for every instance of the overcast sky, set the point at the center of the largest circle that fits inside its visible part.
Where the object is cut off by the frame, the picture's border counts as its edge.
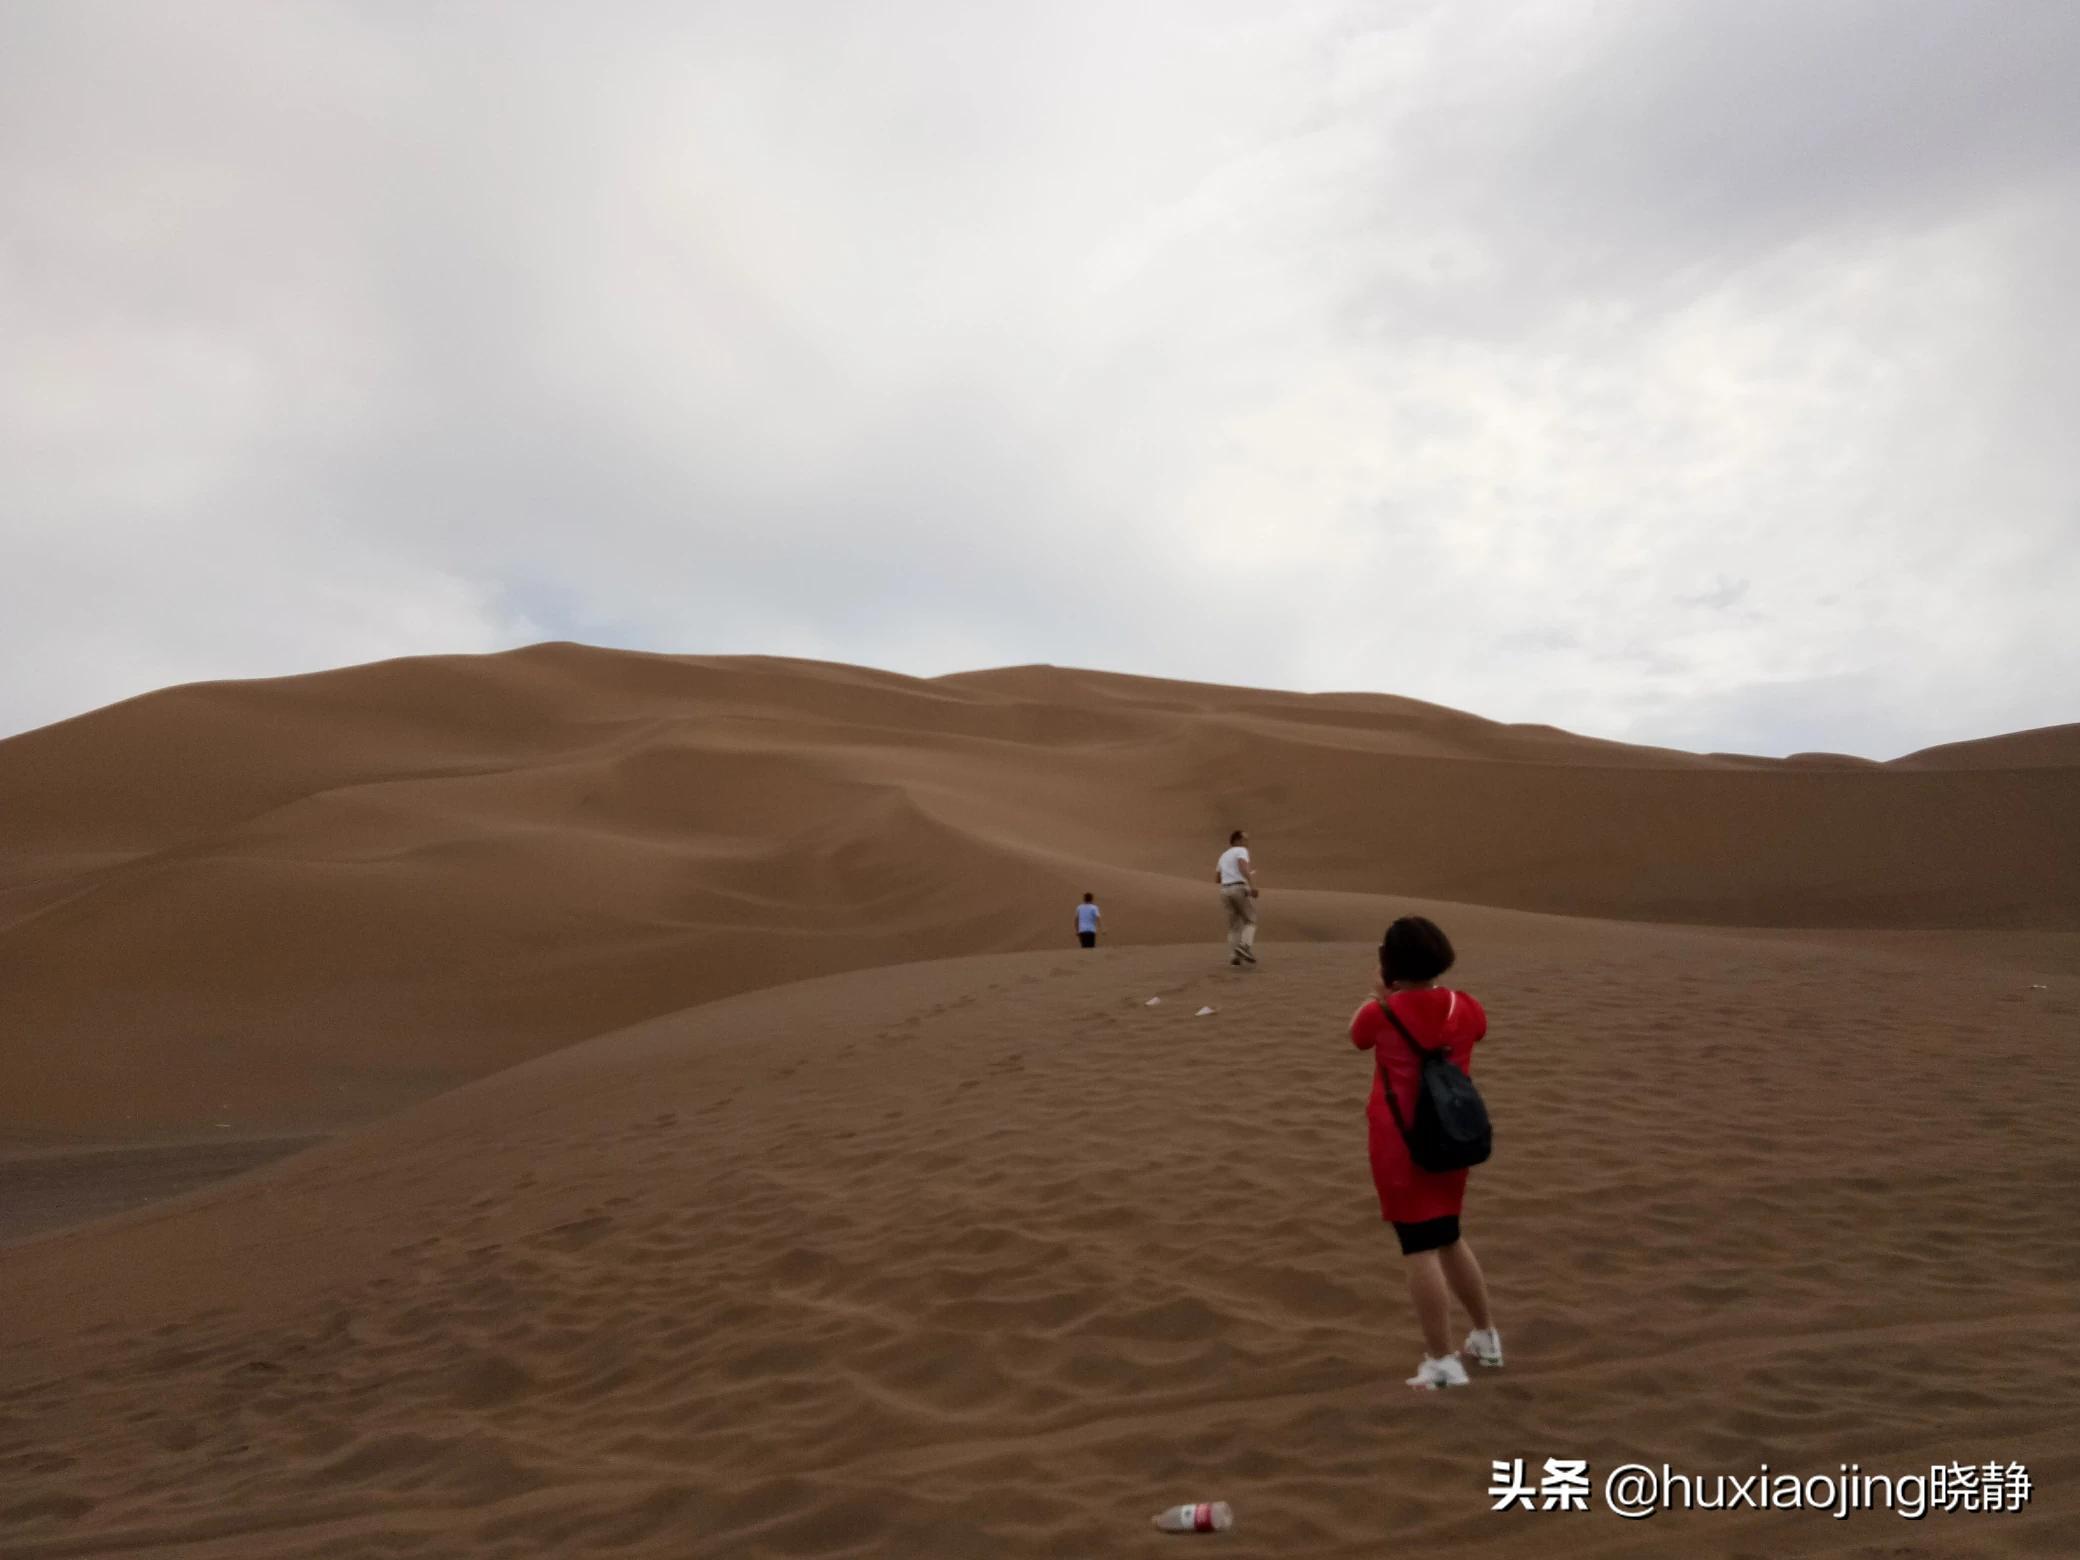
(1703, 372)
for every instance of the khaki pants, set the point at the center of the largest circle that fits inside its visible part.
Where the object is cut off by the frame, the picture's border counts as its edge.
(1242, 915)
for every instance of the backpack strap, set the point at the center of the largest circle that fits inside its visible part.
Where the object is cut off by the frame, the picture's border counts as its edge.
(1414, 1045)
(1386, 1084)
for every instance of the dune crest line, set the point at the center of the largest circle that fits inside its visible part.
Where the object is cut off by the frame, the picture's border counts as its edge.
(303, 902)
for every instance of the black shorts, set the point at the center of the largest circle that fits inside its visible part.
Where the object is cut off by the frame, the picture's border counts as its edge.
(1088, 939)
(1430, 1235)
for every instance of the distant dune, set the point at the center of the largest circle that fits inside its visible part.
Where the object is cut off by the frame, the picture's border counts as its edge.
(288, 904)
(2046, 747)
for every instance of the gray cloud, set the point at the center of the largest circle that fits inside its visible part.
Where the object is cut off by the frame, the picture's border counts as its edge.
(1687, 372)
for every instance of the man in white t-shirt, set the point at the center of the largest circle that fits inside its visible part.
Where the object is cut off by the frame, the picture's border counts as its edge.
(1238, 881)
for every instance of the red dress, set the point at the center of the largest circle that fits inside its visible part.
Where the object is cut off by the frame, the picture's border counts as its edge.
(1435, 1016)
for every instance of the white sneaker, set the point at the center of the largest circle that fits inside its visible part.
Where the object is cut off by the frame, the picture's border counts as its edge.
(1432, 1374)
(1484, 1346)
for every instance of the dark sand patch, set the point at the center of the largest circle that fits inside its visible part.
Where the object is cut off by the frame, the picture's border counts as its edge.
(53, 1189)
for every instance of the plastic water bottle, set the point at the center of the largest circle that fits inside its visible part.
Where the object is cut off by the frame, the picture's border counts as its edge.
(1215, 1516)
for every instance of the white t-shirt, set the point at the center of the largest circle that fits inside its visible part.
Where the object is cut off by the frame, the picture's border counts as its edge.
(1231, 864)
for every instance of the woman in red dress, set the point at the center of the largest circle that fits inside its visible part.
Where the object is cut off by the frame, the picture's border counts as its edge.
(1423, 1205)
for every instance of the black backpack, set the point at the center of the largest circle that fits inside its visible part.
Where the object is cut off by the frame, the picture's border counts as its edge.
(1451, 1129)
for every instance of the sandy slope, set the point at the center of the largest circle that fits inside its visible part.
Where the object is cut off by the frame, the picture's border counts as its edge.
(985, 1257)
(982, 1255)
(284, 906)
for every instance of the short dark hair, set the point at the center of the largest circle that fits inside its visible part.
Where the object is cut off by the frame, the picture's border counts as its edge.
(1087, 898)
(1235, 838)
(1415, 948)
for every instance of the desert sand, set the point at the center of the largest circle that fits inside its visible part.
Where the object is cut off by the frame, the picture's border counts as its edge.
(580, 1102)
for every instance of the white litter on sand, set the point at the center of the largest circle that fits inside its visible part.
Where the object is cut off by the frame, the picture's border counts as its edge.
(1152, 1002)
(1202, 1012)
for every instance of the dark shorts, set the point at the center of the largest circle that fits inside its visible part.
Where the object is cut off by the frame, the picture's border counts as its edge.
(1088, 939)
(1430, 1235)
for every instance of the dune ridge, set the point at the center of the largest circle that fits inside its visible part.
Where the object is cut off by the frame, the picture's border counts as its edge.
(291, 904)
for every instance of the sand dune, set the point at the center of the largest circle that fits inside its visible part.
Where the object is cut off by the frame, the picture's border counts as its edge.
(698, 1141)
(987, 1257)
(2047, 747)
(294, 904)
